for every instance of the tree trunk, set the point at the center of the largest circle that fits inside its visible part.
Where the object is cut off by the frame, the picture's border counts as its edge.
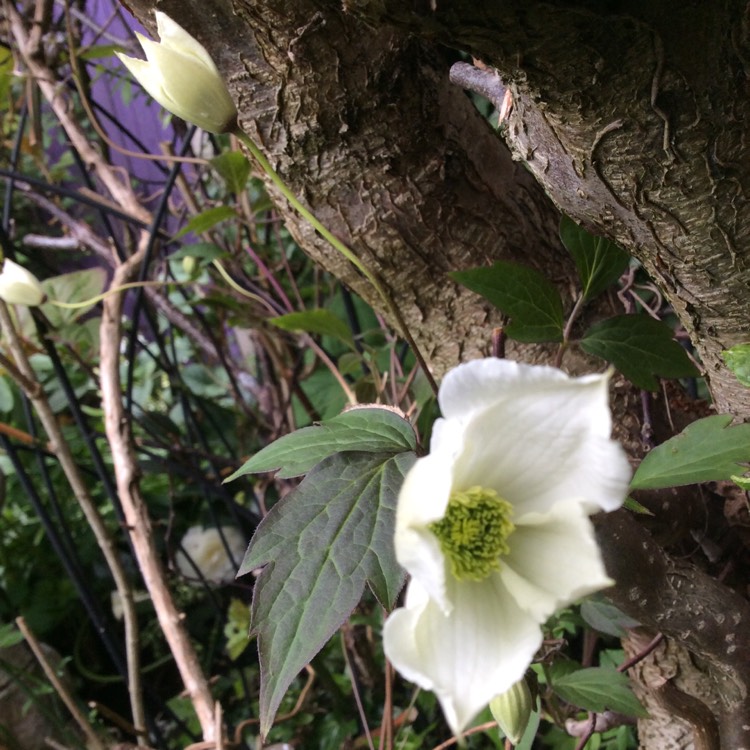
(632, 116)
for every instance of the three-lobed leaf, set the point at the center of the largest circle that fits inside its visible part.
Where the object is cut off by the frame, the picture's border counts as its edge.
(599, 262)
(366, 429)
(599, 689)
(707, 450)
(530, 301)
(321, 545)
(640, 348)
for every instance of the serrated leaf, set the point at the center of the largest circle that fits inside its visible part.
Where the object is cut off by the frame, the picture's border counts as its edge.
(233, 168)
(370, 430)
(640, 348)
(606, 618)
(599, 261)
(530, 301)
(206, 220)
(321, 544)
(321, 322)
(599, 689)
(738, 361)
(707, 450)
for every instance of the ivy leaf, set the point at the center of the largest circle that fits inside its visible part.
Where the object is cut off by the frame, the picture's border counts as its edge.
(320, 545)
(640, 348)
(322, 322)
(525, 296)
(599, 689)
(707, 450)
(233, 168)
(738, 361)
(367, 429)
(599, 261)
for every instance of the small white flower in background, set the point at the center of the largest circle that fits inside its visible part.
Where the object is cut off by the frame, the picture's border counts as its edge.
(20, 287)
(493, 526)
(208, 553)
(118, 609)
(180, 75)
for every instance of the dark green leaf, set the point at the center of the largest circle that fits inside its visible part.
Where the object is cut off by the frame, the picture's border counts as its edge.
(706, 451)
(640, 348)
(525, 296)
(234, 169)
(321, 321)
(606, 618)
(599, 261)
(368, 429)
(321, 544)
(738, 361)
(207, 219)
(599, 689)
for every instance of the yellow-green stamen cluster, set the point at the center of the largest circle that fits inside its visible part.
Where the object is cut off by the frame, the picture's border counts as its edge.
(473, 532)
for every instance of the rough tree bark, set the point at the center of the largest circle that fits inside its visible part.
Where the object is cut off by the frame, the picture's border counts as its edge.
(632, 115)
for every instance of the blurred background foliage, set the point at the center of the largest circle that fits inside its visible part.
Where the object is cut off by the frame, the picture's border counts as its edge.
(209, 377)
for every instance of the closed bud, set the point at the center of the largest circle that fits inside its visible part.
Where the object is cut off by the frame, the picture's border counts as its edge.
(512, 710)
(20, 287)
(179, 74)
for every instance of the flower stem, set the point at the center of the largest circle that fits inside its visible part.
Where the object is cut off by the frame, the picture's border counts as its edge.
(338, 245)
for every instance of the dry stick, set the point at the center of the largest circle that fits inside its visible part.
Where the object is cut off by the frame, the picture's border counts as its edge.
(93, 741)
(116, 426)
(59, 446)
(118, 435)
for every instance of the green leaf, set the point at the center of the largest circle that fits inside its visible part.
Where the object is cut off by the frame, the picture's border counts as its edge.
(367, 429)
(233, 168)
(738, 361)
(599, 261)
(599, 689)
(707, 450)
(640, 348)
(321, 544)
(204, 251)
(321, 321)
(236, 628)
(606, 618)
(525, 296)
(207, 219)
(76, 286)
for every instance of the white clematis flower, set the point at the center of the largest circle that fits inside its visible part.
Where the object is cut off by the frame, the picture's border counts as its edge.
(493, 526)
(19, 286)
(208, 552)
(180, 75)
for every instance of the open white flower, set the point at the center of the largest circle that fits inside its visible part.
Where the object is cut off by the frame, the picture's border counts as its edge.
(19, 286)
(210, 554)
(180, 74)
(493, 526)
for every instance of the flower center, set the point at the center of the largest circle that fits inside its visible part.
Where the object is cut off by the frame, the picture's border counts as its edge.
(473, 532)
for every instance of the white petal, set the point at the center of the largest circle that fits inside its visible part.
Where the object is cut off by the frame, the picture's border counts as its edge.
(422, 500)
(467, 657)
(173, 36)
(553, 561)
(545, 441)
(19, 286)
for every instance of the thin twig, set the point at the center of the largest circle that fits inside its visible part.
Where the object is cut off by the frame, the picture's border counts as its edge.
(93, 739)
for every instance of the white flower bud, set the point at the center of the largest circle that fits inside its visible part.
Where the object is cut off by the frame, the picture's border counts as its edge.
(208, 553)
(20, 287)
(512, 710)
(179, 74)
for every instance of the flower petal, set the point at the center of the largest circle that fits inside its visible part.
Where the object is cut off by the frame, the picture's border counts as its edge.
(423, 499)
(466, 657)
(546, 440)
(553, 560)
(173, 36)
